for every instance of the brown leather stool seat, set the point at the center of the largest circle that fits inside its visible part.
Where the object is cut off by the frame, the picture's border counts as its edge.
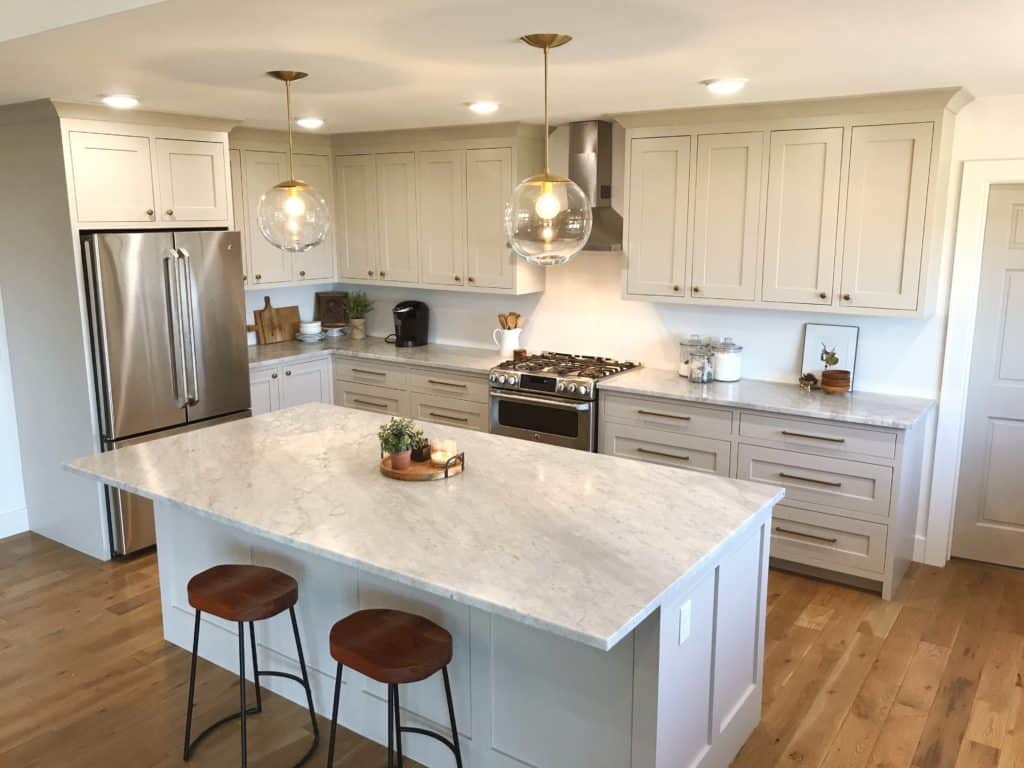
(242, 592)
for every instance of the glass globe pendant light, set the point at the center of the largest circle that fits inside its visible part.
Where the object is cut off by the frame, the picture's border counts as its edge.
(548, 219)
(293, 215)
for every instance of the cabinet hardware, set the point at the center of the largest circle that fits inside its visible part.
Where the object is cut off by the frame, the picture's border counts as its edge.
(829, 483)
(787, 433)
(382, 273)
(273, 375)
(823, 295)
(259, 276)
(664, 455)
(287, 373)
(169, 212)
(458, 279)
(446, 383)
(665, 415)
(302, 273)
(846, 297)
(471, 279)
(369, 272)
(696, 289)
(370, 403)
(368, 373)
(675, 288)
(446, 416)
(811, 536)
(150, 211)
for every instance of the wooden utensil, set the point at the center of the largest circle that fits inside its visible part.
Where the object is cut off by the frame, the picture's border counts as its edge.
(275, 324)
(503, 321)
(513, 320)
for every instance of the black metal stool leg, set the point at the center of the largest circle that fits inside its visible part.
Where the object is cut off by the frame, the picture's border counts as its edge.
(309, 690)
(255, 668)
(334, 717)
(241, 686)
(398, 727)
(191, 692)
(391, 726)
(451, 716)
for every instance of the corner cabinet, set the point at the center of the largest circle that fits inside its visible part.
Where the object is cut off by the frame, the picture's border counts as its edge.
(803, 208)
(283, 386)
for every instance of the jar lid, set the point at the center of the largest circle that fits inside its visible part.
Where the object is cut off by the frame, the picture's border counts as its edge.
(727, 345)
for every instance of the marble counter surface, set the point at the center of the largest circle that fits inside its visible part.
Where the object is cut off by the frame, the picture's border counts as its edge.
(578, 544)
(867, 408)
(465, 359)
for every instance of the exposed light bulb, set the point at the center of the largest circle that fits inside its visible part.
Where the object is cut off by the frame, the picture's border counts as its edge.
(292, 225)
(725, 86)
(547, 233)
(121, 101)
(294, 207)
(548, 205)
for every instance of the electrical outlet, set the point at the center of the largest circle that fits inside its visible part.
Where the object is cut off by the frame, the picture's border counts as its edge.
(685, 614)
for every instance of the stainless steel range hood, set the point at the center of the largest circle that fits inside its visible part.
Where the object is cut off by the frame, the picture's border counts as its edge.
(590, 166)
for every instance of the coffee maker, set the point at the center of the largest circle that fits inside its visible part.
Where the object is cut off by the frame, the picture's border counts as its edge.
(412, 321)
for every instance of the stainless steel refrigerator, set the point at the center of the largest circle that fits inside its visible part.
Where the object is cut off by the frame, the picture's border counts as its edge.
(167, 318)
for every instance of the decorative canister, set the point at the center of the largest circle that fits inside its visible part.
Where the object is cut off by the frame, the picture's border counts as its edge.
(702, 369)
(728, 360)
(686, 350)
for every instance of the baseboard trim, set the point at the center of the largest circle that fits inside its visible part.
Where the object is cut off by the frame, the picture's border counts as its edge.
(13, 521)
(920, 549)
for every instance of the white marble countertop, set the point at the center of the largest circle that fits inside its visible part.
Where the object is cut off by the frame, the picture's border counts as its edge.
(578, 544)
(867, 408)
(466, 359)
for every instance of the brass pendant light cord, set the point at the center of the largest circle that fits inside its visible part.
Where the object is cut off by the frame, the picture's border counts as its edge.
(547, 134)
(288, 102)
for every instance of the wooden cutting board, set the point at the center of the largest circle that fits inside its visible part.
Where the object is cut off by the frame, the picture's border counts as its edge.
(274, 324)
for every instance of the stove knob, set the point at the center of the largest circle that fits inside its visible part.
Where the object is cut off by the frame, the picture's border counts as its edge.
(583, 389)
(494, 377)
(501, 379)
(512, 380)
(560, 387)
(572, 388)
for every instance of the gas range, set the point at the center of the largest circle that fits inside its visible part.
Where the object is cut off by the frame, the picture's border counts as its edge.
(553, 373)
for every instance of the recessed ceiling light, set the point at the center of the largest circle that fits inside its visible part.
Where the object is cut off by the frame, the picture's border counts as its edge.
(725, 86)
(120, 101)
(483, 107)
(310, 123)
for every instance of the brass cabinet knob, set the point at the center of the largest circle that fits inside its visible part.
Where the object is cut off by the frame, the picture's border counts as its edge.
(846, 297)
(822, 295)
(458, 279)
(675, 288)
(696, 289)
(287, 373)
(169, 211)
(302, 273)
(273, 375)
(471, 280)
(150, 211)
(382, 273)
(259, 276)
(369, 272)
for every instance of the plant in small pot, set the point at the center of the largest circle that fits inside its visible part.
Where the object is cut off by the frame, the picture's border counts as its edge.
(398, 438)
(358, 306)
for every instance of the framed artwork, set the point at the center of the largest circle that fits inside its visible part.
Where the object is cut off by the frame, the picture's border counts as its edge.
(831, 346)
(330, 308)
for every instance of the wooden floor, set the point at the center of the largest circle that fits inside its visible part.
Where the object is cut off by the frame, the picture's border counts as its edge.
(932, 679)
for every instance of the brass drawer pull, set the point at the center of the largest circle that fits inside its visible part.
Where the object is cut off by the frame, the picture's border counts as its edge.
(664, 415)
(829, 483)
(787, 433)
(369, 403)
(368, 373)
(446, 383)
(664, 455)
(811, 536)
(450, 418)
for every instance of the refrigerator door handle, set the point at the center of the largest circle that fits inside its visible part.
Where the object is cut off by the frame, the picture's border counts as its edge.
(173, 289)
(193, 396)
(101, 357)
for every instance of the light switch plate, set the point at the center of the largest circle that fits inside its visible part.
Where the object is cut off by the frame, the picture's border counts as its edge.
(685, 614)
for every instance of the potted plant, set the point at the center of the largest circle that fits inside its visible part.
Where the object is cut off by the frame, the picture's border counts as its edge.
(398, 438)
(358, 306)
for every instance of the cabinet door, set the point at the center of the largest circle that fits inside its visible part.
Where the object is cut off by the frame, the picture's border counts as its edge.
(318, 262)
(265, 389)
(803, 210)
(441, 182)
(113, 178)
(238, 205)
(489, 260)
(396, 209)
(190, 177)
(355, 181)
(306, 383)
(659, 203)
(726, 216)
(885, 210)
(268, 264)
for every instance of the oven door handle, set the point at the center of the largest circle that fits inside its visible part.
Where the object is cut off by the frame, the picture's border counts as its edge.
(560, 405)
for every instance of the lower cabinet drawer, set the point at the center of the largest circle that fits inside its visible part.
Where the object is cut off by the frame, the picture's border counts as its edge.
(687, 451)
(449, 410)
(671, 415)
(360, 371)
(828, 541)
(457, 385)
(367, 398)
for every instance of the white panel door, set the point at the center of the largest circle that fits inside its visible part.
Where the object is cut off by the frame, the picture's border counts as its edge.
(990, 491)
(802, 215)
(268, 263)
(318, 262)
(265, 389)
(885, 210)
(396, 208)
(306, 383)
(113, 178)
(355, 180)
(441, 181)
(190, 177)
(726, 216)
(489, 260)
(659, 202)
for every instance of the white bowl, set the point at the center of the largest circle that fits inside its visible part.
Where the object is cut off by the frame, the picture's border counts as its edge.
(310, 327)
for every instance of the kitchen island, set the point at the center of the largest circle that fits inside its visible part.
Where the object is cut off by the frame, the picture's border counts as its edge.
(605, 613)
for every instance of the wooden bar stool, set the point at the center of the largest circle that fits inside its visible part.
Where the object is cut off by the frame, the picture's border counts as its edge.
(394, 648)
(245, 593)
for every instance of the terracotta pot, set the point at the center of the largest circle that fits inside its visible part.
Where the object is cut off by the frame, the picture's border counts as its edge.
(401, 460)
(358, 327)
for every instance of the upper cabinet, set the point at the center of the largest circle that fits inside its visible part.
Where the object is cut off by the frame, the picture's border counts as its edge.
(442, 216)
(318, 262)
(191, 179)
(266, 264)
(355, 193)
(397, 254)
(113, 178)
(834, 206)
(490, 263)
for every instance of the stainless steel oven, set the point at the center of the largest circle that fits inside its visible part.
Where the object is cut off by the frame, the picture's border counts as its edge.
(546, 419)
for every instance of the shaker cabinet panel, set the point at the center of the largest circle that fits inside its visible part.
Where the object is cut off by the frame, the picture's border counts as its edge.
(726, 216)
(802, 213)
(489, 260)
(192, 181)
(318, 262)
(887, 196)
(306, 383)
(441, 179)
(659, 194)
(265, 390)
(355, 179)
(398, 260)
(113, 177)
(268, 264)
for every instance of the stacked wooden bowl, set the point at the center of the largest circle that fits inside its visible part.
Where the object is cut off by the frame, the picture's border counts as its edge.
(835, 381)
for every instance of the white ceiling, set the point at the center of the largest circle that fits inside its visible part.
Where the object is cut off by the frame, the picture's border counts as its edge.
(411, 63)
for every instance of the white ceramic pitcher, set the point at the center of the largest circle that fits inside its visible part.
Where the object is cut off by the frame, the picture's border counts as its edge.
(507, 340)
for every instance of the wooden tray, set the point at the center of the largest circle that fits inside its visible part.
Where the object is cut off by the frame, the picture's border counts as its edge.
(424, 470)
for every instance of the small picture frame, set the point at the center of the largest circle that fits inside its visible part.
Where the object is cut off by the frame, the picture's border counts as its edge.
(330, 308)
(836, 343)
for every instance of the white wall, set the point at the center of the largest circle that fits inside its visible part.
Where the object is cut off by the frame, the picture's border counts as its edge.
(13, 517)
